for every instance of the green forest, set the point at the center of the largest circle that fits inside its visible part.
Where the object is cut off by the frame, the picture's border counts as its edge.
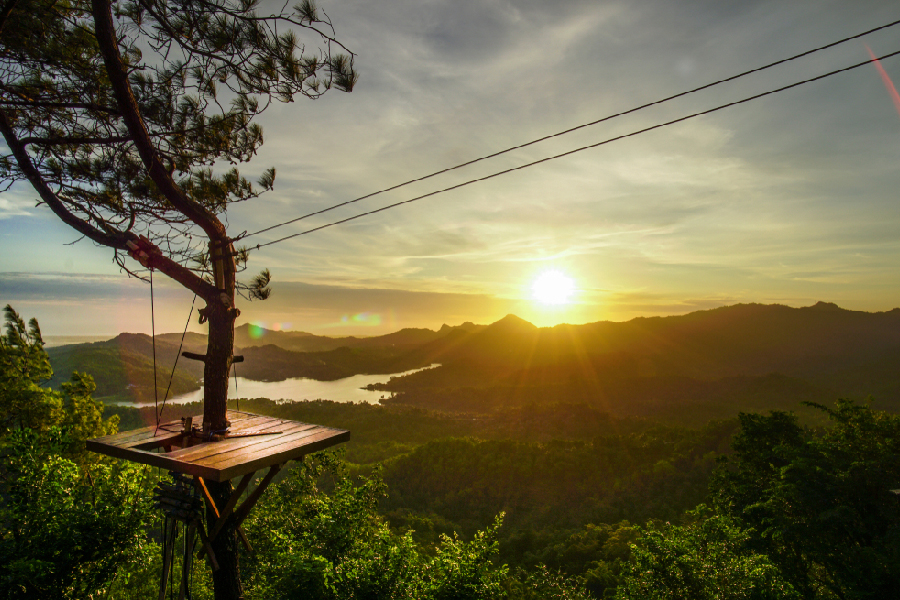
(539, 500)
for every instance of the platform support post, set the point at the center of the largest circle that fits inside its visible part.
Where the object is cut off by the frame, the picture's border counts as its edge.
(227, 579)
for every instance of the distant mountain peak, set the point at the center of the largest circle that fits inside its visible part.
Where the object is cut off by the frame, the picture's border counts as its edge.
(126, 337)
(820, 305)
(511, 318)
(468, 326)
(512, 323)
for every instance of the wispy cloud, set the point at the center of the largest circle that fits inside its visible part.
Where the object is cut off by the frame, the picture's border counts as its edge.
(790, 198)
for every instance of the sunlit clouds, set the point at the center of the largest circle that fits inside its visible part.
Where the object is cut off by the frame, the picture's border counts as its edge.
(789, 199)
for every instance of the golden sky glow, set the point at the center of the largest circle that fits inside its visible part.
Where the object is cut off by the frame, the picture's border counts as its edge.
(787, 199)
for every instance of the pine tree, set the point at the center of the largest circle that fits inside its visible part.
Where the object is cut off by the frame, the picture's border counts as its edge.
(128, 119)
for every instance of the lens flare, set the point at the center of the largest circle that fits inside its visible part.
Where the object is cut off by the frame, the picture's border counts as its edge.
(363, 318)
(892, 90)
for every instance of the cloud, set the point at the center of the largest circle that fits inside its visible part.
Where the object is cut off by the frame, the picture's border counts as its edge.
(77, 304)
(14, 204)
(789, 197)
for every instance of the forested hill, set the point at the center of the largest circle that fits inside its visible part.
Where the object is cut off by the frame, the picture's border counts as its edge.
(706, 364)
(248, 336)
(745, 339)
(607, 501)
(123, 366)
(761, 352)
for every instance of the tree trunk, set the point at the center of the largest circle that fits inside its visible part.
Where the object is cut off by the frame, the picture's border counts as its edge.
(219, 354)
(227, 579)
(221, 315)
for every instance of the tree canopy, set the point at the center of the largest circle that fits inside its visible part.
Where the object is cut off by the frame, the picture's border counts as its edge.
(130, 119)
(821, 502)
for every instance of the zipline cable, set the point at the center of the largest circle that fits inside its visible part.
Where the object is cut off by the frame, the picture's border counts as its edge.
(578, 127)
(576, 150)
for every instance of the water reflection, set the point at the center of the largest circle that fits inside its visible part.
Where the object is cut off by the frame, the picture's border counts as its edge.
(348, 389)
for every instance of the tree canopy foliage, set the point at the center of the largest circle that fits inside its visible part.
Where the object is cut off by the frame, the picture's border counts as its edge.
(335, 546)
(122, 117)
(25, 404)
(821, 502)
(128, 120)
(710, 559)
(24, 367)
(797, 513)
(69, 521)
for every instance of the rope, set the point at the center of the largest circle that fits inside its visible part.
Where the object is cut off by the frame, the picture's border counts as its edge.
(191, 582)
(153, 331)
(237, 401)
(186, 553)
(172, 561)
(172, 376)
(165, 541)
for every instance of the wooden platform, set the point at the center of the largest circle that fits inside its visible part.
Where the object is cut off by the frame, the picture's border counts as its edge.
(268, 441)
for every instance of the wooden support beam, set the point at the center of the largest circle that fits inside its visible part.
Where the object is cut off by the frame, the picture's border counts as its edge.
(194, 356)
(208, 496)
(244, 540)
(241, 513)
(222, 517)
(207, 547)
(202, 357)
(232, 501)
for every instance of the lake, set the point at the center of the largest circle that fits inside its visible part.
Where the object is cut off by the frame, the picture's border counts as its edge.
(300, 388)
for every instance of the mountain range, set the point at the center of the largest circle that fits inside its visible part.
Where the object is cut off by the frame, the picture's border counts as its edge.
(706, 363)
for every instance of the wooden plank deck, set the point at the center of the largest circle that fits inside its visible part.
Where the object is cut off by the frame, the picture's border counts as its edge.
(280, 442)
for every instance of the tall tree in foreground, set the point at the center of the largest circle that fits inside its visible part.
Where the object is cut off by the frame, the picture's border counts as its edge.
(68, 521)
(128, 119)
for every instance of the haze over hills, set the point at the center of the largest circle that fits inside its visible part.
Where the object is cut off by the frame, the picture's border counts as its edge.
(711, 362)
(248, 336)
(123, 366)
(747, 339)
(707, 364)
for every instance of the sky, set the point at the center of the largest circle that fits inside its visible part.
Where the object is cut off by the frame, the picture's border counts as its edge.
(788, 199)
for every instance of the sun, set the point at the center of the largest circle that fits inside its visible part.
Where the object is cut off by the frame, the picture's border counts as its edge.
(553, 287)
